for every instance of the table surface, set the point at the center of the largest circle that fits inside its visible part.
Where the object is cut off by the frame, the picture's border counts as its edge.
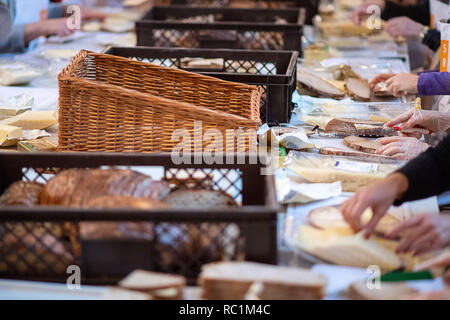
(45, 92)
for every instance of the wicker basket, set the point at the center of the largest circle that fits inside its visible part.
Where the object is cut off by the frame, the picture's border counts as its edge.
(110, 103)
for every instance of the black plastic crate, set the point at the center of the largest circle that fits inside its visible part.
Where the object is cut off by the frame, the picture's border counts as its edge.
(274, 71)
(33, 245)
(311, 6)
(249, 29)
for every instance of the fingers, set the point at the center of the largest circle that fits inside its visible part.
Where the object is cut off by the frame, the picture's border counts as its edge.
(352, 210)
(370, 228)
(356, 17)
(411, 234)
(441, 260)
(400, 119)
(381, 78)
(412, 222)
(387, 140)
(391, 149)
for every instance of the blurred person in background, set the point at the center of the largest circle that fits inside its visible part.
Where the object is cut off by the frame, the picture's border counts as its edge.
(36, 18)
(416, 10)
(409, 19)
(415, 20)
(5, 22)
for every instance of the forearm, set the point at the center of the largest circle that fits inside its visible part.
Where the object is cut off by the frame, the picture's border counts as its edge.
(434, 83)
(33, 31)
(428, 174)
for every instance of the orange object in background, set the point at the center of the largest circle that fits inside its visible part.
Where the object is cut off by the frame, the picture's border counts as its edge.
(444, 56)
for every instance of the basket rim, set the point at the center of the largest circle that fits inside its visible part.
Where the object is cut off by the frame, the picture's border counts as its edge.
(185, 106)
(154, 66)
(290, 69)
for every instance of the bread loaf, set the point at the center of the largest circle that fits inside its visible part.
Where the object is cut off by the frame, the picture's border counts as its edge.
(77, 188)
(22, 193)
(203, 242)
(232, 281)
(356, 154)
(362, 144)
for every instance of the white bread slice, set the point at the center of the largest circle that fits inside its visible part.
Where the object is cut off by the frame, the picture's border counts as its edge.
(342, 247)
(359, 290)
(159, 285)
(232, 280)
(331, 217)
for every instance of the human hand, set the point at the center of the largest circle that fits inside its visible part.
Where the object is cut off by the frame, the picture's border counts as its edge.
(403, 27)
(427, 119)
(87, 14)
(58, 27)
(359, 14)
(422, 233)
(439, 262)
(433, 295)
(402, 83)
(401, 148)
(382, 77)
(379, 196)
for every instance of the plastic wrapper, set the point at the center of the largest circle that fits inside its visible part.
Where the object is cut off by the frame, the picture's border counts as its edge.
(318, 111)
(366, 68)
(353, 174)
(289, 191)
(16, 73)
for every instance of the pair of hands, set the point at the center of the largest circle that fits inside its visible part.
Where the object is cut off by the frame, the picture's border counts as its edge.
(60, 27)
(406, 146)
(399, 84)
(418, 234)
(395, 27)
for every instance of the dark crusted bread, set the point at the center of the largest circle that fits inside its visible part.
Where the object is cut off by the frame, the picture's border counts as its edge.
(22, 193)
(123, 202)
(76, 188)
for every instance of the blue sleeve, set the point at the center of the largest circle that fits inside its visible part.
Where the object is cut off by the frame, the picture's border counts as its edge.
(15, 42)
(434, 83)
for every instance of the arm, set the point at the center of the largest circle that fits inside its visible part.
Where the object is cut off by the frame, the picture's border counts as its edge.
(434, 83)
(428, 174)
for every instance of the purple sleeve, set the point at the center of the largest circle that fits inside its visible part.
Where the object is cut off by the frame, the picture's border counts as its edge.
(434, 83)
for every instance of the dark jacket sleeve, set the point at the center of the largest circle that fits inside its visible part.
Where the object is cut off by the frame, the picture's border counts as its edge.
(428, 174)
(419, 12)
(432, 39)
